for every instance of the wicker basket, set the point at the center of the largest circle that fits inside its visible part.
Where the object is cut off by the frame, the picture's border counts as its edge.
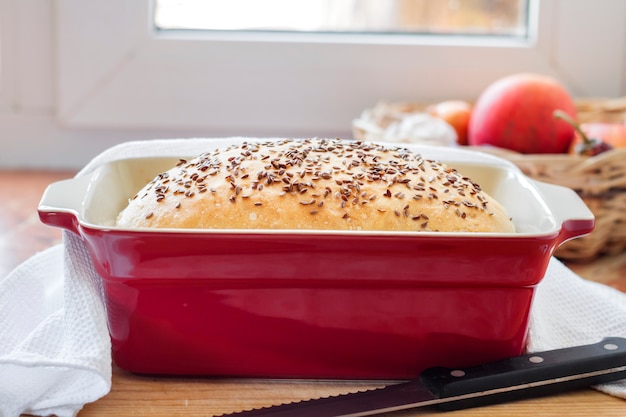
(599, 180)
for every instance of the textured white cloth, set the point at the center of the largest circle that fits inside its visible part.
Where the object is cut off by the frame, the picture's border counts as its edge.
(569, 310)
(54, 343)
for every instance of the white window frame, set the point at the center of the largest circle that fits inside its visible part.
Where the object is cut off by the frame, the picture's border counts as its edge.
(7, 49)
(113, 71)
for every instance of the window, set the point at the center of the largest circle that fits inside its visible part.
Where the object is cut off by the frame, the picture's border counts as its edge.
(453, 17)
(252, 83)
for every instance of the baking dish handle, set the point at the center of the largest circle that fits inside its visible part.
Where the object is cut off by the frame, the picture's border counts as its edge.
(62, 203)
(569, 210)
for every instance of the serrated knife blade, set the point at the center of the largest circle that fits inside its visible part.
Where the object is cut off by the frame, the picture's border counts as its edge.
(520, 377)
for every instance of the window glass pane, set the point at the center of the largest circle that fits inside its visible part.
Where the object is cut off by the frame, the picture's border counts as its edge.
(453, 17)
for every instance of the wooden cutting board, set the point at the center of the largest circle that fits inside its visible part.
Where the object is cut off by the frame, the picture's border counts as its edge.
(135, 395)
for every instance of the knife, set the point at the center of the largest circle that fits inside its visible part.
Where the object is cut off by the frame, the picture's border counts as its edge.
(525, 376)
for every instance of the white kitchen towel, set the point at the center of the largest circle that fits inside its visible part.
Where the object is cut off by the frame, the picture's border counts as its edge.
(54, 343)
(55, 352)
(569, 310)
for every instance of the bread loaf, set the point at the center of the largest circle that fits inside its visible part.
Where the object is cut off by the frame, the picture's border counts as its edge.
(315, 184)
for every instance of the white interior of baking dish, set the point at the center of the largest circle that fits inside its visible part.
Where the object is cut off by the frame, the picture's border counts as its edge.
(111, 185)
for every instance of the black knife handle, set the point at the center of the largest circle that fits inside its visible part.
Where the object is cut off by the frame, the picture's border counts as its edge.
(524, 376)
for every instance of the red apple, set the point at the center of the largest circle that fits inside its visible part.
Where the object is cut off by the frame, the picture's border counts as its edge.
(516, 112)
(594, 144)
(613, 134)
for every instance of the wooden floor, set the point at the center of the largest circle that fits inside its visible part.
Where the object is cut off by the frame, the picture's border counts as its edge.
(21, 232)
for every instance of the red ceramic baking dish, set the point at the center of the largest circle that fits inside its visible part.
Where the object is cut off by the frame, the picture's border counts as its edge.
(321, 304)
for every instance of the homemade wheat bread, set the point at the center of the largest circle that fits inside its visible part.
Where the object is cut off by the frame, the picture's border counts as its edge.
(315, 184)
